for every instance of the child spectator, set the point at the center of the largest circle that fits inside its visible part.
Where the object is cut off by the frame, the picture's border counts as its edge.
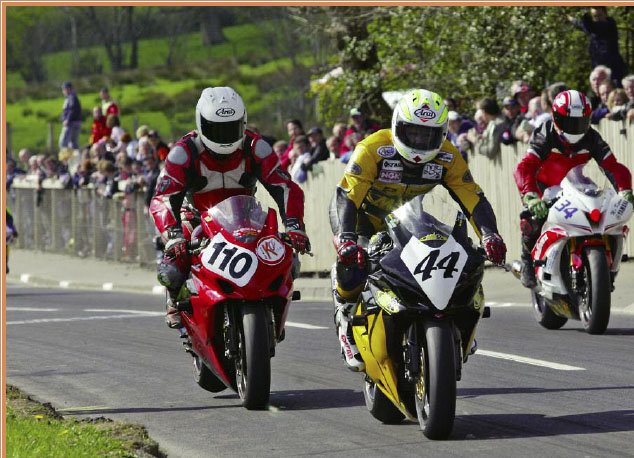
(279, 147)
(627, 110)
(294, 129)
(99, 129)
(298, 158)
(339, 131)
(160, 147)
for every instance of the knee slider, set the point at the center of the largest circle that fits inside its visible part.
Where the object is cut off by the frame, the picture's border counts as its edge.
(170, 276)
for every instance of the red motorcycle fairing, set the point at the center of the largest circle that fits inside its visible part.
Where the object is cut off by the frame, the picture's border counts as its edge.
(268, 281)
(577, 260)
(545, 241)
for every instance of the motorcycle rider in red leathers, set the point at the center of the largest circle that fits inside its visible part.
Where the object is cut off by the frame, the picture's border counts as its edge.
(556, 147)
(218, 160)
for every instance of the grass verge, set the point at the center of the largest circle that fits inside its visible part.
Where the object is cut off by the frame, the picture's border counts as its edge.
(37, 430)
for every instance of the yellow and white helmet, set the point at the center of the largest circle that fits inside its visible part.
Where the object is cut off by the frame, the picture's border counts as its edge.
(419, 125)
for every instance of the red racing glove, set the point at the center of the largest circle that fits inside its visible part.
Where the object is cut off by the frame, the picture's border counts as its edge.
(176, 246)
(495, 248)
(348, 251)
(299, 239)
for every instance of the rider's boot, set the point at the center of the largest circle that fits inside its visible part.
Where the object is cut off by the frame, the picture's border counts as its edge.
(527, 274)
(343, 316)
(172, 315)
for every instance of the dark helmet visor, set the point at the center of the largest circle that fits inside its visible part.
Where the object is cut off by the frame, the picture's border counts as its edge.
(423, 138)
(222, 133)
(572, 125)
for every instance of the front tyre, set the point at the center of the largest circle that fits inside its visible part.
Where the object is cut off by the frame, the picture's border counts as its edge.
(380, 406)
(544, 314)
(436, 387)
(594, 309)
(253, 365)
(205, 378)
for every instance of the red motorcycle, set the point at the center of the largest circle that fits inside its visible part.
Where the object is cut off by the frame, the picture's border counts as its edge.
(239, 292)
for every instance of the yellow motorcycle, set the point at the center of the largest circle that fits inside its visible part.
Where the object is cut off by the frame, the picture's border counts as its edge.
(415, 321)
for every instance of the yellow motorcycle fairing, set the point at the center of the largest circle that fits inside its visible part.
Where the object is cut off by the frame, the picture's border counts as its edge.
(371, 341)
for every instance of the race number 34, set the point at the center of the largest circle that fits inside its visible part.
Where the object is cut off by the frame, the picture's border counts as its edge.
(230, 261)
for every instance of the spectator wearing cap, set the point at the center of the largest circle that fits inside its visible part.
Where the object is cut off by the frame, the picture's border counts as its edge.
(361, 124)
(512, 118)
(491, 138)
(604, 39)
(318, 148)
(457, 129)
(108, 106)
(294, 129)
(160, 147)
(523, 93)
(71, 118)
(602, 108)
(12, 172)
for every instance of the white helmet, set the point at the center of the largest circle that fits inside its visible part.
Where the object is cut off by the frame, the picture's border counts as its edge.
(221, 119)
(419, 125)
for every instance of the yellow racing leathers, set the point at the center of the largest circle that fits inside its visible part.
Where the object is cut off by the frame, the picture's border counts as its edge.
(377, 181)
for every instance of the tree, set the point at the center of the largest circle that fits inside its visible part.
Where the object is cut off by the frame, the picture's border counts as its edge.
(464, 52)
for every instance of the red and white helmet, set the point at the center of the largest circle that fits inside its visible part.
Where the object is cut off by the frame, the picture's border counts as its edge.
(571, 116)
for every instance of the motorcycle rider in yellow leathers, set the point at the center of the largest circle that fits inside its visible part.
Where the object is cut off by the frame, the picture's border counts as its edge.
(387, 169)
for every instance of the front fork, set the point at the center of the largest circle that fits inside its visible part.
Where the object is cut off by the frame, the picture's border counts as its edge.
(576, 261)
(232, 319)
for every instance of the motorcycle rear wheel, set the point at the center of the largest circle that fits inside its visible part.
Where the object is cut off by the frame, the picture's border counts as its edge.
(253, 365)
(544, 314)
(379, 405)
(594, 309)
(206, 379)
(436, 388)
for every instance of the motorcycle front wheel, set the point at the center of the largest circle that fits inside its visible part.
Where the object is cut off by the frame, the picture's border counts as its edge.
(379, 405)
(253, 365)
(544, 314)
(436, 387)
(594, 309)
(206, 379)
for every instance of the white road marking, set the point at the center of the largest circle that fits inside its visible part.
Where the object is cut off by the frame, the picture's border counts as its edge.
(525, 360)
(24, 278)
(80, 318)
(135, 312)
(107, 286)
(30, 309)
(158, 289)
(64, 284)
(303, 325)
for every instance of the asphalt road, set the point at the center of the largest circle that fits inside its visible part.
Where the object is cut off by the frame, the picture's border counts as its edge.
(109, 354)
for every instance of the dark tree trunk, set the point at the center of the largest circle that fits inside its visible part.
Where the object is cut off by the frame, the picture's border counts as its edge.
(210, 27)
(133, 34)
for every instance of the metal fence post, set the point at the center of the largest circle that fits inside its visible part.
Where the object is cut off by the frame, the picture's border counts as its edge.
(55, 226)
(9, 139)
(50, 138)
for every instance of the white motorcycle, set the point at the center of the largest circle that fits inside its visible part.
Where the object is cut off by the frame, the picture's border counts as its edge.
(578, 254)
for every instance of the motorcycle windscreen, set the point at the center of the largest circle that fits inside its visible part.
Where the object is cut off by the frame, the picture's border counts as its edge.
(587, 179)
(430, 235)
(242, 216)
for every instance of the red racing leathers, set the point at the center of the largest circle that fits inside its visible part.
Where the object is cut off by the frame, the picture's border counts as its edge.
(548, 160)
(189, 168)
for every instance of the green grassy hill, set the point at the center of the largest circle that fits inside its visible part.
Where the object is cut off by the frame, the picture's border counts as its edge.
(164, 98)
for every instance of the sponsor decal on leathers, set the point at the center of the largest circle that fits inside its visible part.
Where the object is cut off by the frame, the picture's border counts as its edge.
(386, 151)
(444, 156)
(392, 165)
(354, 168)
(432, 171)
(390, 176)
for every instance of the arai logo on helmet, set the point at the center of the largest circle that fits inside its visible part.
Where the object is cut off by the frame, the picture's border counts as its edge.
(225, 112)
(425, 113)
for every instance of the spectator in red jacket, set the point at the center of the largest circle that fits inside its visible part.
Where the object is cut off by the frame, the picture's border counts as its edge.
(99, 129)
(294, 129)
